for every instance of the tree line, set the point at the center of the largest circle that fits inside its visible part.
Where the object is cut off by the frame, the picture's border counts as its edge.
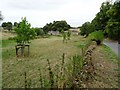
(106, 20)
(25, 32)
(55, 26)
(1, 17)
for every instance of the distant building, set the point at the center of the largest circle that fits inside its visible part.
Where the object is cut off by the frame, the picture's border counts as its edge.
(54, 33)
(75, 31)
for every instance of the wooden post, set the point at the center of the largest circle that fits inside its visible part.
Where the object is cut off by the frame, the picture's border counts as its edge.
(22, 50)
(16, 50)
(82, 53)
(28, 50)
(22, 47)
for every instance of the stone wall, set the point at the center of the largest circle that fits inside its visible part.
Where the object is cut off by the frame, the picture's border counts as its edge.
(88, 70)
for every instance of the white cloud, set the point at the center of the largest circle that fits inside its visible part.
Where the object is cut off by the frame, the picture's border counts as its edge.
(40, 12)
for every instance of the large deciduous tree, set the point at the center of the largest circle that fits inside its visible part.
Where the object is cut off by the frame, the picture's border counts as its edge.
(86, 28)
(1, 17)
(107, 20)
(101, 19)
(47, 28)
(38, 31)
(15, 24)
(113, 25)
(7, 25)
(56, 26)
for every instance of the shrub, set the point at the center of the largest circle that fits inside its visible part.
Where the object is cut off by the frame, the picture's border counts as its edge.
(97, 36)
(11, 38)
(39, 31)
(69, 34)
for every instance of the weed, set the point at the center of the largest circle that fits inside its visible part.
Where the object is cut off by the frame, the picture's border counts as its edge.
(51, 75)
(40, 78)
(25, 80)
(57, 75)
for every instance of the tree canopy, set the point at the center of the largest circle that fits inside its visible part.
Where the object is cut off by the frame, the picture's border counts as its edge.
(24, 32)
(1, 17)
(56, 26)
(113, 24)
(86, 28)
(38, 31)
(107, 20)
(7, 25)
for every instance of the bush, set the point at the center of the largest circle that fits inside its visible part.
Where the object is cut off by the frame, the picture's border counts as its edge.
(97, 36)
(11, 38)
(39, 31)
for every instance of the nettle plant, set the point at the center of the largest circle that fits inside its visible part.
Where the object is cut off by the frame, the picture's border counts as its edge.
(24, 32)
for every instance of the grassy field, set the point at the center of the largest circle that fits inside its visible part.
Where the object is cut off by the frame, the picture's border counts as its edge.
(52, 48)
(41, 49)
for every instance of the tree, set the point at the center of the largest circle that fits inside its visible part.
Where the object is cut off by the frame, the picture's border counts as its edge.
(56, 26)
(47, 27)
(1, 17)
(7, 25)
(86, 28)
(24, 32)
(107, 20)
(4, 24)
(16, 24)
(39, 31)
(60, 25)
(113, 25)
(101, 19)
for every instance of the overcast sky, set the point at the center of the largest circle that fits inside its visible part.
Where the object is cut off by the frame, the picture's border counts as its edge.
(40, 12)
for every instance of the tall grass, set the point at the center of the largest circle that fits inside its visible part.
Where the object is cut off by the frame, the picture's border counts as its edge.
(40, 78)
(51, 75)
(60, 77)
(25, 80)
